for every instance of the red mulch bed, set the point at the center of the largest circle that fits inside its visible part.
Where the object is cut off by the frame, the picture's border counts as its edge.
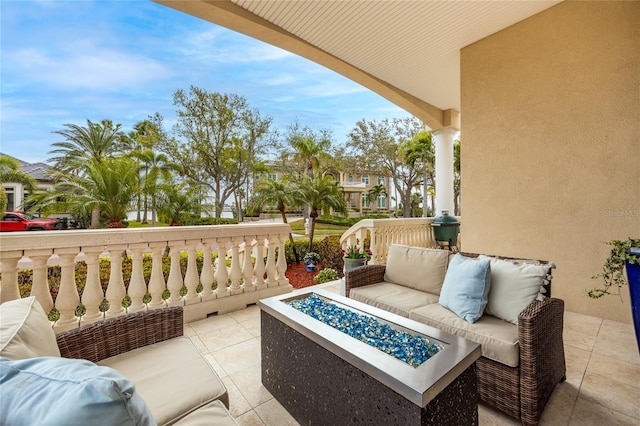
(298, 275)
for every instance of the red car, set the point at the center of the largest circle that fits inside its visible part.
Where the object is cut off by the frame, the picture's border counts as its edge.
(16, 221)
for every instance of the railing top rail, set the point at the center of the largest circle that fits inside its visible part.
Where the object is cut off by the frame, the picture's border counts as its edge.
(94, 237)
(380, 223)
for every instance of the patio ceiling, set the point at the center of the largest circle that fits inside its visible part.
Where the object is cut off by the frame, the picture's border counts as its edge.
(407, 51)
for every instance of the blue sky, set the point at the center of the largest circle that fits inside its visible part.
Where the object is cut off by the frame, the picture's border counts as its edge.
(69, 61)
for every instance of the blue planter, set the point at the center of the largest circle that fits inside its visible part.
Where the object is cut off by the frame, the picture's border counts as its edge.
(633, 276)
(311, 266)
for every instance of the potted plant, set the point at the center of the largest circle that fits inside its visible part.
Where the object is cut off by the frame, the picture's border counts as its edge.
(311, 259)
(624, 255)
(355, 256)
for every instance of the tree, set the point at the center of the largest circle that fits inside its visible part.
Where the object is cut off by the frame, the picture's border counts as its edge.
(107, 186)
(176, 200)
(10, 172)
(83, 146)
(420, 152)
(155, 166)
(383, 145)
(310, 150)
(375, 193)
(282, 194)
(456, 177)
(320, 194)
(95, 143)
(147, 135)
(224, 140)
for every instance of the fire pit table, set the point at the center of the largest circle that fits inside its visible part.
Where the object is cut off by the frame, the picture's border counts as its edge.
(322, 372)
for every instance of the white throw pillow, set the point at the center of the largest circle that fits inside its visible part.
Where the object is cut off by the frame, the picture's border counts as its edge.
(25, 330)
(513, 287)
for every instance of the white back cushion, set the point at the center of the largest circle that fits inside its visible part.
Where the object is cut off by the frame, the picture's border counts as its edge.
(416, 267)
(25, 330)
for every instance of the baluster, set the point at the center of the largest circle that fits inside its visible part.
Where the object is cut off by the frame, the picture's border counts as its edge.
(40, 280)
(175, 282)
(259, 265)
(282, 264)
(92, 295)
(156, 281)
(236, 273)
(116, 290)
(272, 279)
(222, 274)
(67, 299)
(247, 267)
(206, 276)
(191, 279)
(137, 286)
(9, 282)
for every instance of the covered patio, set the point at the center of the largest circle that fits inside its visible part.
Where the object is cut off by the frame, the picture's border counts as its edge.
(546, 96)
(602, 385)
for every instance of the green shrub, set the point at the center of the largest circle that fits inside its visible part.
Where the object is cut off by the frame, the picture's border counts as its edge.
(192, 220)
(302, 247)
(331, 254)
(348, 221)
(326, 275)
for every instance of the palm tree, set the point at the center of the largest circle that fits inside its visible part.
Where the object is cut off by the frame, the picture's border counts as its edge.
(281, 193)
(10, 172)
(108, 187)
(375, 193)
(321, 194)
(456, 177)
(176, 200)
(95, 143)
(155, 166)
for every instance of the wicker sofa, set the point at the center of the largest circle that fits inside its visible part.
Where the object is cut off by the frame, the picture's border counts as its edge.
(148, 349)
(521, 363)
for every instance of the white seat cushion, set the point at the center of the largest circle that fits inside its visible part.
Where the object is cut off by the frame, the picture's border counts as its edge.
(499, 339)
(171, 376)
(214, 413)
(392, 297)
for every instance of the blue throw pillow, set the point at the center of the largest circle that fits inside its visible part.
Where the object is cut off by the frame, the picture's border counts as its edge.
(466, 287)
(61, 391)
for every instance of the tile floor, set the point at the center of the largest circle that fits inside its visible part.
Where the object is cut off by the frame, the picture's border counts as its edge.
(602, 386)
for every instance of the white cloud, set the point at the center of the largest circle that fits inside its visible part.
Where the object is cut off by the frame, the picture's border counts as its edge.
(88, 67)
(220, 46)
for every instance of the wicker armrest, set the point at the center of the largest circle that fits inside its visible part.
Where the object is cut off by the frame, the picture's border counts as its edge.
(364, 275)
(542, 362)
(121, 334)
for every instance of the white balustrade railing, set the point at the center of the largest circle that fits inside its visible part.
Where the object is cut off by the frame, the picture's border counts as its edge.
(242, 283)
(384, 232)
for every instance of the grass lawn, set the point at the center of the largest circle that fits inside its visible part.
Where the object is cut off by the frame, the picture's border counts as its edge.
(297, 226)
(134, 224)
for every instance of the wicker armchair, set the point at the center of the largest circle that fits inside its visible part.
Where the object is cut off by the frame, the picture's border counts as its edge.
(118, 335)
(521, 392)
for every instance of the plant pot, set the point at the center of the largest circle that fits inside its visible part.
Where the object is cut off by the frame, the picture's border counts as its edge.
(633, 276)
(311, 266)
(353, 263)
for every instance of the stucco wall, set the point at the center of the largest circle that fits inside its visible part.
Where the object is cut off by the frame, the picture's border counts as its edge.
(551, 143)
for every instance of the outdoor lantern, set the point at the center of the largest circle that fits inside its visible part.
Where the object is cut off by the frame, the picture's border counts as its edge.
(445, 229)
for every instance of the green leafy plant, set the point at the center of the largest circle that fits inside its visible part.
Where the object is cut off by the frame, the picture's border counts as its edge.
(612, 274)
(326, 275)
(312, 256)
(356, 252)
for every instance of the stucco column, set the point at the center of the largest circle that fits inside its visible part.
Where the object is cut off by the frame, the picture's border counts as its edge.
(443, 140)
